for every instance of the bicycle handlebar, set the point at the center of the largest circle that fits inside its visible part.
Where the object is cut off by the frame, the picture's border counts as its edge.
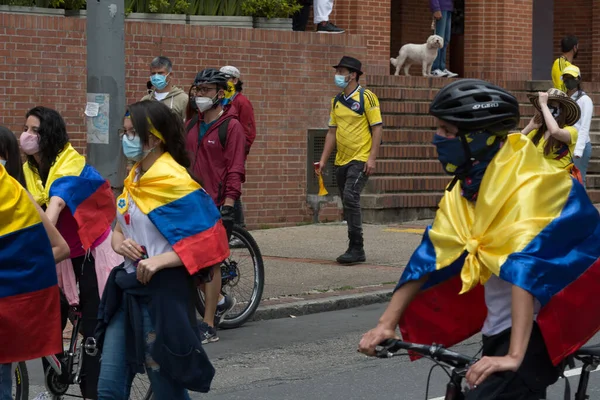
(389, 347)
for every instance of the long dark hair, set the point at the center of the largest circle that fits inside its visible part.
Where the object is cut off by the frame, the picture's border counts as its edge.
(552, 143)
(53, 139)
(166, 122)
(190, 111)
(9, 150)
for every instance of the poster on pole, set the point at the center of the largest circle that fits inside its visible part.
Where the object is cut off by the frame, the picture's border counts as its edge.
(96, 112)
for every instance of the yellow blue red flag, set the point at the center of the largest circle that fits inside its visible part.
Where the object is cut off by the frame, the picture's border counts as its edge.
(29, 296)
(532, 226)
(181, 211)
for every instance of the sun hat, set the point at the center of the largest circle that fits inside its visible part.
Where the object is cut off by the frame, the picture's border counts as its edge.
(572, 70)
(568, 105)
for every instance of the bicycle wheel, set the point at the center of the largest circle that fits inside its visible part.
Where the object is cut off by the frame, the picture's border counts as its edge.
(243, 277)
(20, 390)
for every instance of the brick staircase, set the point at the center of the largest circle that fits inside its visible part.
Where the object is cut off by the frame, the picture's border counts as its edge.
(409, 181)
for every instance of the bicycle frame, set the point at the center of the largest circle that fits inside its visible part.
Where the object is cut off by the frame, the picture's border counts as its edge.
(590, 363)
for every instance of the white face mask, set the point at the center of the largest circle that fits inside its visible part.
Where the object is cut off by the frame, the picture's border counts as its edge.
(3, 163)
(205, 103)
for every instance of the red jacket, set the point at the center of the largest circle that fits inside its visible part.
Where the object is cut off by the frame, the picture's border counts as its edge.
(221, 170)
(246, 116)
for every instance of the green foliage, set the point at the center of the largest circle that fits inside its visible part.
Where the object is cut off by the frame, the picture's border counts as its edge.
(231, 8)
(157, 6)
(270, 8)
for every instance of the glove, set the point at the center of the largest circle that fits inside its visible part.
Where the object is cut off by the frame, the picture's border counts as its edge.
(227, 216)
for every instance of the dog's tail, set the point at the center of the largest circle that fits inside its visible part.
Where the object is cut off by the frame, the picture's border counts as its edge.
(394, 61)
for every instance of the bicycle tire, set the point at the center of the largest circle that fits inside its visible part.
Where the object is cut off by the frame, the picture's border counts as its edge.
(259, 282)
(21, 382)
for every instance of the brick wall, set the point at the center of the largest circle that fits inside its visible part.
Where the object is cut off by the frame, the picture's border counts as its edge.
(575, 17)
(498, 39)
(595, 45)
(288, 78)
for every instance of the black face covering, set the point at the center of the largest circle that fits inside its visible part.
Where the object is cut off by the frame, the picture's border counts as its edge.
(571, 84)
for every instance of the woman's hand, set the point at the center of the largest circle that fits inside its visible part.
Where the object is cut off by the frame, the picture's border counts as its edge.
(489, 365)
(130, 249)
(148, 267)
(543, 98)
(374, 337)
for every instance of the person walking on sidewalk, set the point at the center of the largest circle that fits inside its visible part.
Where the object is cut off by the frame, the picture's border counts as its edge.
(442, 13)
(583, 148)
(355, 129)
(321, 10)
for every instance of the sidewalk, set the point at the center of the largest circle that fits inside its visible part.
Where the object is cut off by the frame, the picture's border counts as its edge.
(302, 276)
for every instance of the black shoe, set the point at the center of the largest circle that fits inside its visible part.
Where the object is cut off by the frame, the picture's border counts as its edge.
(355, 252)
(224, 308)
(328, 27)
(208, 334)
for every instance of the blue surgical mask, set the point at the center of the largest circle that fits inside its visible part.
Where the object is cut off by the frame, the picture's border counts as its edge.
(159, 81)
(3, 163)
(133, 149)
(340, 81)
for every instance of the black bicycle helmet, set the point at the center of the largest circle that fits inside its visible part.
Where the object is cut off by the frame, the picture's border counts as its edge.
(473, 104)
(211, 75)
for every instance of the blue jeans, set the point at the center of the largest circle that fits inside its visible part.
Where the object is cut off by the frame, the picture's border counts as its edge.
(6, 382)
(116, 375)
(583, 161)
(443, 28)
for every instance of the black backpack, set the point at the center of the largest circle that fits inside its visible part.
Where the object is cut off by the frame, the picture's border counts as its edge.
(222, 129)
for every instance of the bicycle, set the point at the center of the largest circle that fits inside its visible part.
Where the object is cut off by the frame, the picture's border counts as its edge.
(63, 371)
(233, 282)
(459, 365)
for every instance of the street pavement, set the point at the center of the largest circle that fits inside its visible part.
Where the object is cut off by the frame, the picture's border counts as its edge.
(314, 357)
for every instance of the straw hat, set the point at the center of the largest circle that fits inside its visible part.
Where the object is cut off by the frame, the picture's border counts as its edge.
(568, 105)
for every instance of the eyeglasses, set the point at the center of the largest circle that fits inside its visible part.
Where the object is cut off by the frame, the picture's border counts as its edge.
(129, 134)
(201, 90)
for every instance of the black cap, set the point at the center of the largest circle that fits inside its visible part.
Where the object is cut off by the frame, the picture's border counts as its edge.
(350, 63)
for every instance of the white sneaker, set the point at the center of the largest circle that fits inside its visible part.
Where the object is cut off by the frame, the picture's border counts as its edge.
(439, 73)
(450, 74)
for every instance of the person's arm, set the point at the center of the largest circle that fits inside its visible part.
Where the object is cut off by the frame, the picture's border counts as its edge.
(587, 109)
(522, 325)
(125, 247)
(372, 161)
(235, 154)
(373, 114)
(329, 138)
(60, 248)
(534, 123)
(386, 328)
(246, 116)
(555, 131)
(434, 6)
(54, 208)
(148, 267)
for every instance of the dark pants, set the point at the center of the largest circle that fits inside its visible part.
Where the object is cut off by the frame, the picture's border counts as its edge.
(300, 19)
(351, 181)
(85, 273)
(238, 213)
(531, 379)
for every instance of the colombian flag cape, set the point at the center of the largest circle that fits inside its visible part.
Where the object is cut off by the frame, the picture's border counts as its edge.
(532, 226)
(29, 297)
(181, 211)
(87, 194)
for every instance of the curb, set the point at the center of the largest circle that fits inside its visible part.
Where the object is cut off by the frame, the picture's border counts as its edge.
(332, 303)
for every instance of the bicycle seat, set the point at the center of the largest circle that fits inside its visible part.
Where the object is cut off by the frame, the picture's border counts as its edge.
(593, 350)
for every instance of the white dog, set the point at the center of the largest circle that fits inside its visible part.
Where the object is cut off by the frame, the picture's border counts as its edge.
(423, 54)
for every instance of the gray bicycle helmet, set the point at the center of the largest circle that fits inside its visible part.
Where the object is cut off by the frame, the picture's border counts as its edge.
(473, 105)
(211, 75)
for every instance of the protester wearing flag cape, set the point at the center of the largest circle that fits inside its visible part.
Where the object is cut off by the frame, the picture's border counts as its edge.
(29, 301)
(168, 229)
(513, 252)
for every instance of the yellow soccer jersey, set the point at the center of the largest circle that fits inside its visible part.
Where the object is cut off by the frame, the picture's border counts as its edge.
(557, 70)
(353, 122)
(560, 157)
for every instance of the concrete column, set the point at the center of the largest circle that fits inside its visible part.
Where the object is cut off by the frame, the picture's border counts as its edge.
(105, 76)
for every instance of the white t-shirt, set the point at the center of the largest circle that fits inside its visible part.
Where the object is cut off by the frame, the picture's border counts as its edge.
(498, 299)
(143, 232)
(160, 96)
(583, 125)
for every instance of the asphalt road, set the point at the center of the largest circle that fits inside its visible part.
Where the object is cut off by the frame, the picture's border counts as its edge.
(314, 357)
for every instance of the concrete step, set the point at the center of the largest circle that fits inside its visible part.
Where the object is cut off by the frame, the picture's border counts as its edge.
(408, 167)
(594, 195)
(399, 200)
(404, 184)
(407, 151)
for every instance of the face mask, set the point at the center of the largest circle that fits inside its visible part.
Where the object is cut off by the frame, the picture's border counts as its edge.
(159, 81)
(571, 84)
(133, 149)
(340, 81)
(555, 111)
(206, 103)
(450, 153)
(30, 143)
(3, 163)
